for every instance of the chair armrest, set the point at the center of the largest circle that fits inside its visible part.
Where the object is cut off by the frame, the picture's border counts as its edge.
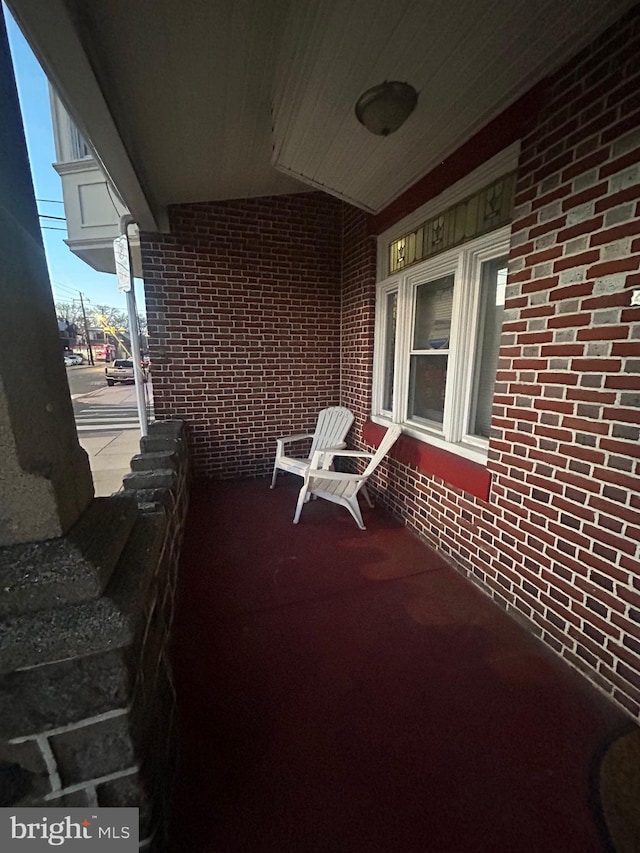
(335, 452)
(287, 439)
(318, 464)
(296, 437)
(324, 474)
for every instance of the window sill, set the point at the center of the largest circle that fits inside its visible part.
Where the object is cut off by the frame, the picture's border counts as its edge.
(459, 466)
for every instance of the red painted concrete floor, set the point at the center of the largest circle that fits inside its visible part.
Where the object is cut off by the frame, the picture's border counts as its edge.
(343, 691)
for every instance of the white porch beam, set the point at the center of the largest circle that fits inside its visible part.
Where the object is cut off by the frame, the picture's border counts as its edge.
(54, 38)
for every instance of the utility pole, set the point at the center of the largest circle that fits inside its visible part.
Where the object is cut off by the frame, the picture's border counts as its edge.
(86, 331)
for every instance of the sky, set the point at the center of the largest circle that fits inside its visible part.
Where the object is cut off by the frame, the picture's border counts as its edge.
(69, 275)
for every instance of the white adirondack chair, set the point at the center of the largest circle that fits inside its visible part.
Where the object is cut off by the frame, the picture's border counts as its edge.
(341, 488)
(332, 426)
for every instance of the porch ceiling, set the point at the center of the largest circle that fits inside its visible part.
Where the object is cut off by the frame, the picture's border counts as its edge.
(194, 100)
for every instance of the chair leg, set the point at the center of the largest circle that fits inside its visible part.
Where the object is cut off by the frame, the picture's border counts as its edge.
(354, 508)
(365, 495)
(275, 474)
(302, 498)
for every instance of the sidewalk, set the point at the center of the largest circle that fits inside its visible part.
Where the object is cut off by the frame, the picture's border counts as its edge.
(110, 450)
(110, 453)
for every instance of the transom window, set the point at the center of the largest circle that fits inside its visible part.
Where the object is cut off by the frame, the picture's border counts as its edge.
(438, 330)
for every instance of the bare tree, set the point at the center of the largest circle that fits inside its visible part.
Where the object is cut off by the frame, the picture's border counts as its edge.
(113, 321)
(70, 312)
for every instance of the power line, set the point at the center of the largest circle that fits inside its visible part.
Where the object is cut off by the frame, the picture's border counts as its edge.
(50, 200)
(51, 228)
(63, 287)
(75, 294)
(46, 216)
(65, 297)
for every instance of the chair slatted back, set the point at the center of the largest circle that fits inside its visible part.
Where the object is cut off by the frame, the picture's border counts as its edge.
(389, 439)
(333, 425)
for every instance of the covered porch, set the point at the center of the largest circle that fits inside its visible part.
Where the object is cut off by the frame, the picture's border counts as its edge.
(342, 691)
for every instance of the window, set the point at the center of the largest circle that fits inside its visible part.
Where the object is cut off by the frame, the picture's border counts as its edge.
(79, 148)
(438, 328)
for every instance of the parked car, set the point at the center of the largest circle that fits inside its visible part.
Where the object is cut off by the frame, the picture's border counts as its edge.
(71, 358)
(121, 370)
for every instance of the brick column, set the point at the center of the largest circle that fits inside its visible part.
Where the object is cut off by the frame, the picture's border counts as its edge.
(45, 480)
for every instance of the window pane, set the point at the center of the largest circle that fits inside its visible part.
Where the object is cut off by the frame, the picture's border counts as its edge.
(434, 301)
(427, 380)
(389, 350)
(493, 283)
(79, 148)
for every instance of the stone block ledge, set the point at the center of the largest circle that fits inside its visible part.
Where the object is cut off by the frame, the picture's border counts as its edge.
(163, 478)
(71, 569)
(161, 460)
(78, 629)
(101, 624)
(87, 703)
(61, 693)
(164, 436)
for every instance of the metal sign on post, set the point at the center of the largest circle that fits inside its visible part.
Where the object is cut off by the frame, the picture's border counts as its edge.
(123, 265)
(125, 285)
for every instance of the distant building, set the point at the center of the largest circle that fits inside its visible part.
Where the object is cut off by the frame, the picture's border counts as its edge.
(68, 334)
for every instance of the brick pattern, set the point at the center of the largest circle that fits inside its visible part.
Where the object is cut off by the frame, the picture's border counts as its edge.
(358, 316)
(565, 453)
(243, 306)
(557, 545)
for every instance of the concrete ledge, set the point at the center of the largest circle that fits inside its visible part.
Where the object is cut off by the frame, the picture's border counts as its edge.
(150, 500)
(86, 691)
(71, 569)
(162, 460)
(75, 630)
(132, 586)
(101, 624)
(163, 436)
(150, 479)
(62, 693)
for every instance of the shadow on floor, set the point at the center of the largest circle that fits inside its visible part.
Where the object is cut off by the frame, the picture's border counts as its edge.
(343, 691)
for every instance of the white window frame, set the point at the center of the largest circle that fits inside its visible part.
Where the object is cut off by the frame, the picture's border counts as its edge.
(465, 262)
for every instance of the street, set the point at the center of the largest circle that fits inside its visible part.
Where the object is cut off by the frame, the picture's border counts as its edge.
(98, 407)
(107, 423)
(84, 378)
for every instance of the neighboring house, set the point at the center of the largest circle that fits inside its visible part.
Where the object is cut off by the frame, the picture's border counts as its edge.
(101, 343)
(472, 276)
(68, 334)
(93, 208)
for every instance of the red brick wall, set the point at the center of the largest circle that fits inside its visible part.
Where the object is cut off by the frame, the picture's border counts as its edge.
(247, 302)
(557, 543)
(243, 306)
(567, 410)
(358, 315)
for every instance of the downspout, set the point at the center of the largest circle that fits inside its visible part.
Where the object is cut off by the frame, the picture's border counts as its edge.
(132, 313)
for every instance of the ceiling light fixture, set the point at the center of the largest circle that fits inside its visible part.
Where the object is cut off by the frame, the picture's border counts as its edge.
(384, 108)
